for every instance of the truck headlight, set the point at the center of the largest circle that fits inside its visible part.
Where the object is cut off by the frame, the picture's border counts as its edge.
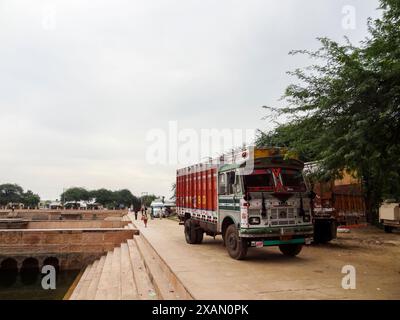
(254, 220)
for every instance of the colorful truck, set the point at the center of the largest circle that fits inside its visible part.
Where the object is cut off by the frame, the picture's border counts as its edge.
(253, 197)
(338, 201)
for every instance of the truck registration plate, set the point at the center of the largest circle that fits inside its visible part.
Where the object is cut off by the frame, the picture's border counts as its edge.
(286, 232)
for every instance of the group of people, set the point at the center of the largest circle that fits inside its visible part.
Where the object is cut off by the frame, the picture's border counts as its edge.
(144, 214)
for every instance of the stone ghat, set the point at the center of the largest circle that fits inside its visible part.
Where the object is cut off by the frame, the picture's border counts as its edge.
(74, 248)
(131, 271)
(63, 214)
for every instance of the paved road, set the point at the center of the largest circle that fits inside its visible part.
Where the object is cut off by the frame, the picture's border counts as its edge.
(209, 273)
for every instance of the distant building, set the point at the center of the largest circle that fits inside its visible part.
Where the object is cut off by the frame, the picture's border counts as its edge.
(55, 205)
(83, 205)
(15, 205)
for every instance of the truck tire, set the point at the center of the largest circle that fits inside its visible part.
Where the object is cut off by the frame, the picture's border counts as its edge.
(324, 231)
(199, 235)
(236, 246)
(388, 229)
(291, 250)
(190, 232)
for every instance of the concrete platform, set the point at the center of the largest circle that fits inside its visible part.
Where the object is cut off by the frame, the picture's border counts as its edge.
(208, 272)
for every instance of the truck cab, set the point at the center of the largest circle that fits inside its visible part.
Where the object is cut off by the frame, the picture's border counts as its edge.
(268, 207)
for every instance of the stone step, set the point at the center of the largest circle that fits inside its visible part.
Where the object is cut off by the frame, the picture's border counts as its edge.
(130, 226)
(91, 292)
(75, 293)
(162, 285)
(128, 286)
(85, 282)
(105, 281)
(114, 292)
(144, 286)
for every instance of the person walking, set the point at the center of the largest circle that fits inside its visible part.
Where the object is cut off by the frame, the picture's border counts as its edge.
(136, 214)
(151, 212)
(144, 218)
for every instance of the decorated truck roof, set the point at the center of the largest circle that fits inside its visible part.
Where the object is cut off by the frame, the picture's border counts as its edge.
(248, 158)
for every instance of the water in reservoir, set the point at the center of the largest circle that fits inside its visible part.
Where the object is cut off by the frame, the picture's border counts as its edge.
(16, 286)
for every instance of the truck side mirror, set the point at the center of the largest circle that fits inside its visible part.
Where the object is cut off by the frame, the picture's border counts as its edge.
(312, 195)
(247, 197)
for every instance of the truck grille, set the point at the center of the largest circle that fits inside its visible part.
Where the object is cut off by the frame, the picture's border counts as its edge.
(282, 213)
(278, 216)
(282, 216)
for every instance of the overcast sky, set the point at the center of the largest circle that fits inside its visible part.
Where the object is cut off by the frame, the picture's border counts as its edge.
(84, 82)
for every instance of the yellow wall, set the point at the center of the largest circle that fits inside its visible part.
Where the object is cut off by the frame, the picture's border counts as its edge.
(347, 179)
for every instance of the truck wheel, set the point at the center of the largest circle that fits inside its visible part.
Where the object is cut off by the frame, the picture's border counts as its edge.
(291, 250)
(388, 229)
(199, 236)
(190, 232)
(237, 247)
(320, 238)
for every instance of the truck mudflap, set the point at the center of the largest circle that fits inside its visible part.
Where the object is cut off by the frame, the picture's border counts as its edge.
(270, 243)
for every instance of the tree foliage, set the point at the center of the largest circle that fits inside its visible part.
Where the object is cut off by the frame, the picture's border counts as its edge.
(109, 199)
(75, 194)
(30, 200)
(103, 196)
(125, 198)
(13, 193)
(148, 199)
(344, 110)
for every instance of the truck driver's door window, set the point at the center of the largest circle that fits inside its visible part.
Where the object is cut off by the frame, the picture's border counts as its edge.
(230, 182)
(222, 184)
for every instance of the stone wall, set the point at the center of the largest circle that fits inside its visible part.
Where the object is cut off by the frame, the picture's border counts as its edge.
(62, 214)
(73, 248)
(76, 224)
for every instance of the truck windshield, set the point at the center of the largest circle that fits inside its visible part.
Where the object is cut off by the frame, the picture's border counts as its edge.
(259, 180)
(292, 178)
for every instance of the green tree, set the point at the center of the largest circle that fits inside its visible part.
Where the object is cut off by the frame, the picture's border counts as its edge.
(30, 200)
(146, 200)
(103, 196)
(345, 109)
(10, 193)
(75, 194)
(294, 134)
(125, 198)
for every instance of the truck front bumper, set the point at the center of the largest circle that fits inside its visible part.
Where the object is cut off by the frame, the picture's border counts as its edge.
(269, 243)
(278, 232)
